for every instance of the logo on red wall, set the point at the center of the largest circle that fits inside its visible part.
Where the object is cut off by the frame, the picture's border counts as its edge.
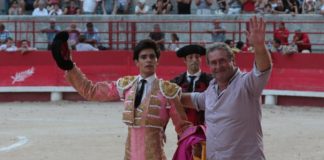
(21, 76)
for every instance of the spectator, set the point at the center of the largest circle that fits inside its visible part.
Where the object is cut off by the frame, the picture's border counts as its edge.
(72, 8)
(234, 7)
(51, 32)
(277, 47)
(248, 6)
(89, 6)
(9, 46)
(15, 9)
(292, 6)
(74, 34)
(174, 45)
(41, 9)
(121, 7)
(282, 33)
(203, 7)
(321, 7)
(260, 5)
(108, 6)
(24, 47)
(218, 32)
(158, 7)
(302, 41)
(141, 7)
(56, 11)
(4, 34)
(268, 9)
(91, 34)
(184, 6)
(158, 36)
(309, 7)
(83, 46)
(29, 6)
(21, 4)
(279, 8)
(221, 6)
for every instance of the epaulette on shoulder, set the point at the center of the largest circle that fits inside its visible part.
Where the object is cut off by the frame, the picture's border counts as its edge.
(125, 82)
(169, 90)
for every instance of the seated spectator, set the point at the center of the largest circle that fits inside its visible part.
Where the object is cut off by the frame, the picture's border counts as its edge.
(321, 7)
(141, 7)
(218, 32)
(83, 46)
(248, 6)
(221, 6)
(234, 7)
(184, 6)
(24, 47)
(9, 46)
(277, 47)
(15, 9)
(158, 7)
(89, 6)
(302, 41)
(41, 9)
(174, 45)
(51, 32)
(282, 33)
(72, 8)
(29, 6)
(56, 11)
(121, 7)
(21, 4)
(293, 6)
(108, 6)
(308, 7)
(4, 34)
(279, 8)
(203, 7)
(158, 36)
(74, 34)
(259, 6)
(268, 9)
(91, 34)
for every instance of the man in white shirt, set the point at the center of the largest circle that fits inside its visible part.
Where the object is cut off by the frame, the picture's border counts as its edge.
(9, 46)
(89, 6)
(40, 10)
(83, 46)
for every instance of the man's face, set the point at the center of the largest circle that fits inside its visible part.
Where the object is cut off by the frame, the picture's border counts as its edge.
(221, 67)
(147, 62)
(24, 44)
(9, 43)
(193, 62)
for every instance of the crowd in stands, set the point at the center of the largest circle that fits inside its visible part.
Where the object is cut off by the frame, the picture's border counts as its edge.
(203, 7)
(89, 39)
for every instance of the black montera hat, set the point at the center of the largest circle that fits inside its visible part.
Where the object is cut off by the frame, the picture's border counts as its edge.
(191, 49)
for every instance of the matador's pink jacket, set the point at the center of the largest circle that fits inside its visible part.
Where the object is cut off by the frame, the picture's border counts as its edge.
(146, 123)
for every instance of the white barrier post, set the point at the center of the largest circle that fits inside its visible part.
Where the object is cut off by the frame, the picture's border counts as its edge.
(270, 99)
(56, 96)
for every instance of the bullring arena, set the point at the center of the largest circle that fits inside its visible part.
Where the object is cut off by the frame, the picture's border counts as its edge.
(43, 118)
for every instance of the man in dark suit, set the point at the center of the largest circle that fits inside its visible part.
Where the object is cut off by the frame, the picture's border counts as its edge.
(193, 80)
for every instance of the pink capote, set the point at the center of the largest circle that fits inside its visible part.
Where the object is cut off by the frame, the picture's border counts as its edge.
(191, 136)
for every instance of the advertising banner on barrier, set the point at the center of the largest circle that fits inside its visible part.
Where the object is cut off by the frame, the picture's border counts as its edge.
(300, 72)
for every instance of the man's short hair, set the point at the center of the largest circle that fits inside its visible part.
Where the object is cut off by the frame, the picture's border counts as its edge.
(220, 46)
(146, 44)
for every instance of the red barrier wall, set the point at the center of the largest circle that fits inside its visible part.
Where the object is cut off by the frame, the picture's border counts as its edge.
(300, 72)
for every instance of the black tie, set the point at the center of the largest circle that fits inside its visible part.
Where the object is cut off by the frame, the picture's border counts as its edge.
(139, 94)
(192, 79)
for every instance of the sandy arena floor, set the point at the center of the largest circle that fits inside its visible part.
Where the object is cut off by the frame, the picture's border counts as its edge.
(94, 131)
